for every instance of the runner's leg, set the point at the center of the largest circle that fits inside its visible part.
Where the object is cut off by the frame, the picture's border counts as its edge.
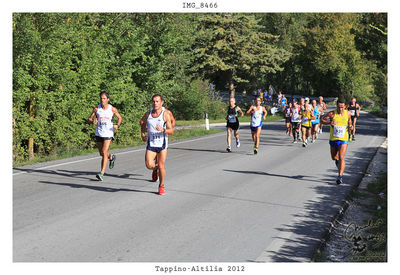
(258, 136)
(236, 133)
(334, 153)
(354, 126)
(342, 152)
(254, 137)
(105, 154)
(100, 147)
(303, 133)
(161, 157)
(308, 134)
(149, 159)
(228, 136)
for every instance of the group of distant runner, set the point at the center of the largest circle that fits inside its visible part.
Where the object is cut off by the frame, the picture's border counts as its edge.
(304, 121)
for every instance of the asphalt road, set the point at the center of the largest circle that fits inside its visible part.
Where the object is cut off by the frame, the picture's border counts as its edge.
(218, 207)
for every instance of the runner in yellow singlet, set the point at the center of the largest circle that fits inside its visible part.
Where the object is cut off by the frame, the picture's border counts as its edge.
(307, 115)
(339, 135)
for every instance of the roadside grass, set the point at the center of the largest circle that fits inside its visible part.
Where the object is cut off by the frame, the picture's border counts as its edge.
(375, 236)
(374, 110)
(371, 237)
(74, 152)
(376, 249)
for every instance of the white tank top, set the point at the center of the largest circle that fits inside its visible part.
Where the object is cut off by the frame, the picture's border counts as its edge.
(104, 127)
(295, 115)
(256, 118)
(155, 137)
(322, 107)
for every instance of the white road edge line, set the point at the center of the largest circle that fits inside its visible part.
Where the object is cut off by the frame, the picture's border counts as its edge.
(132, 151)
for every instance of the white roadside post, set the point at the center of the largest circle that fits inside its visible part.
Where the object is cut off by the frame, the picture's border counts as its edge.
(207, 123)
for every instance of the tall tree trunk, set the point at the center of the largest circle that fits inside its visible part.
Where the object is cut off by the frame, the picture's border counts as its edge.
(231, 85)
(31, 117)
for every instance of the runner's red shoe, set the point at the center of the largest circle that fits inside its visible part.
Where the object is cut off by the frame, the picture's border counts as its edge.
(161, 190)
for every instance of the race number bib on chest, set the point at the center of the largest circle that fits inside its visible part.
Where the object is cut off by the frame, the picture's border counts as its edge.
(304, 120)
(338, 131)
(352, 112)
(156, 139)
(232, 118)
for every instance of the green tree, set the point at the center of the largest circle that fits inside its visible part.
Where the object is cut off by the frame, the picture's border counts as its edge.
(330, 56)
(371, 41)
(233, 48)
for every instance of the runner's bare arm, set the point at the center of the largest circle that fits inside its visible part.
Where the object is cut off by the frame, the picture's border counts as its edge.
(168, 123)
(350, 125)
(168, 120)
(250, 110)
(327, 119)
(240, 111)
(90, 119)
(265, 113)
(143, 126)
(173, 122)
(115, 112)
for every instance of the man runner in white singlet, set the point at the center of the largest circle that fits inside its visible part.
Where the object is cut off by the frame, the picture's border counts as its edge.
(258, 114)
(104, 113)
(158, 125)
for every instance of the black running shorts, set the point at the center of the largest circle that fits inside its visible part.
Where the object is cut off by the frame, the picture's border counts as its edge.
(295, 125)
(233, 126)
(102, 139)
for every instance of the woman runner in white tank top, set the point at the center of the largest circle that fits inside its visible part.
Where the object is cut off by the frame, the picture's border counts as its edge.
(105, 129)
(104, 126)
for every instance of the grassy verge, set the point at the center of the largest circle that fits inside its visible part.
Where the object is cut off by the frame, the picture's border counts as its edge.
(368, 240)
(375, 110)
(373, 235)
(74, 152)
(377, 232)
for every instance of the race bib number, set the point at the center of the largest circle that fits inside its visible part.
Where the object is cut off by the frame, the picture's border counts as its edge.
(102, 123)
(256, 119)
(352, 112)
(304, 120)
(232, 118)
(156, 139)
(338, 131)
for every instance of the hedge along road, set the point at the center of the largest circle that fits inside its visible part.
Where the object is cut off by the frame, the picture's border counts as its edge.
(218, 207)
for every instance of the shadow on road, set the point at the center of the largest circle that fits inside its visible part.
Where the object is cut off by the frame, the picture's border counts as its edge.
(91, 176)
(98, 188)
(298, 177)
(309, 227)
